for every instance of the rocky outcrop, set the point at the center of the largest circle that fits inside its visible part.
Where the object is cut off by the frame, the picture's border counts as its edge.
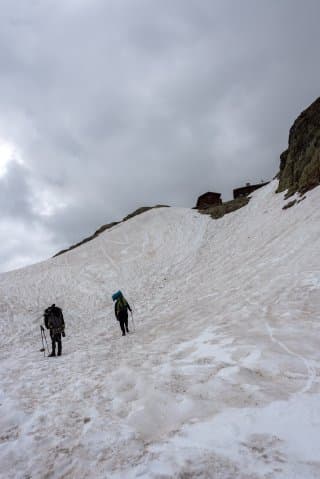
(219, 211)
(107, 226)
(300, 163)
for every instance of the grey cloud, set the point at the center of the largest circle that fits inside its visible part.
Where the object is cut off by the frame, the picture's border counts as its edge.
(15, 195)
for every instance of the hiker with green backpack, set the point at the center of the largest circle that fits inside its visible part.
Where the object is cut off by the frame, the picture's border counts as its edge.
(121, 308)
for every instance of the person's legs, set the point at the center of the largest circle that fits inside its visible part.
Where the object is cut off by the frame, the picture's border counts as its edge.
(58, 339)
(53, 344)
(121, 321)
(126, 324)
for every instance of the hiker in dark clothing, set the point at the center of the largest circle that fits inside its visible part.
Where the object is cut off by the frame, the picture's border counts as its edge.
(121, 311)
(54, 321)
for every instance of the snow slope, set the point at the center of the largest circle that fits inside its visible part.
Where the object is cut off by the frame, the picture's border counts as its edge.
(221, 377)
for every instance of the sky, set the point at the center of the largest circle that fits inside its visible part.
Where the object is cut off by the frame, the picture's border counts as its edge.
(109, 105)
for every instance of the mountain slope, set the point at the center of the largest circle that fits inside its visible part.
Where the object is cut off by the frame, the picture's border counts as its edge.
(220, 379)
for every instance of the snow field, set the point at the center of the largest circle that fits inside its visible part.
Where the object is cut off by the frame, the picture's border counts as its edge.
(221, 377)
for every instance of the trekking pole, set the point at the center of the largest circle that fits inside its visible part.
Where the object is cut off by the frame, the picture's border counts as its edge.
(43, 349)
(43, 335)
(134, 326)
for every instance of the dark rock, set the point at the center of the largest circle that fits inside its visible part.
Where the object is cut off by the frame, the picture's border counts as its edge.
(219, 211)
(300, 163)
(288, 205)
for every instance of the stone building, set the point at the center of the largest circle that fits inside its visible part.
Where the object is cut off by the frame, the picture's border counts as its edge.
(246, 190)
(208, 199)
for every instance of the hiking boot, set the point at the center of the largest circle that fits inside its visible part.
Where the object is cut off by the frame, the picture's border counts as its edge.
(123, 334)
(51, 355)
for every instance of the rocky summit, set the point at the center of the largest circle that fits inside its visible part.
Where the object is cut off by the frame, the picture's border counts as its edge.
(300, 163)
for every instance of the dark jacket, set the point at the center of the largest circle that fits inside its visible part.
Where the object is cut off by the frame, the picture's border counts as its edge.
(121, 307)
(54, 320)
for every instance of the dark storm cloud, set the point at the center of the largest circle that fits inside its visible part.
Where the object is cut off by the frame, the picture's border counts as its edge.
(113, 105)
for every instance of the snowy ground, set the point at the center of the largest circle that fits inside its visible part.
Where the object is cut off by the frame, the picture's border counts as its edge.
(221, 378)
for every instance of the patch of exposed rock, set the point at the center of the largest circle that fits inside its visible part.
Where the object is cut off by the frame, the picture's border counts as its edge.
(300, 163)
(219, 211)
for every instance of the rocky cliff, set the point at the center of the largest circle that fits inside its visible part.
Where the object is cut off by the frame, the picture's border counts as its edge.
(300, 163)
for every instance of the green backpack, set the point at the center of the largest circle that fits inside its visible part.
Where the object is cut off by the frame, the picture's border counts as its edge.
(121, 305)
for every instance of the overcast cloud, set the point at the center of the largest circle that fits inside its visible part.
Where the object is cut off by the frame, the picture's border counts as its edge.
(109, 105)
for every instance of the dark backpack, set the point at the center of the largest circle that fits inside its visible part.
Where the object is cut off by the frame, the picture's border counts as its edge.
(55, 319)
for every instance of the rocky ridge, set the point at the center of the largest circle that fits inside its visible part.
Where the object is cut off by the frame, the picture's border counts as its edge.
(300, 163)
